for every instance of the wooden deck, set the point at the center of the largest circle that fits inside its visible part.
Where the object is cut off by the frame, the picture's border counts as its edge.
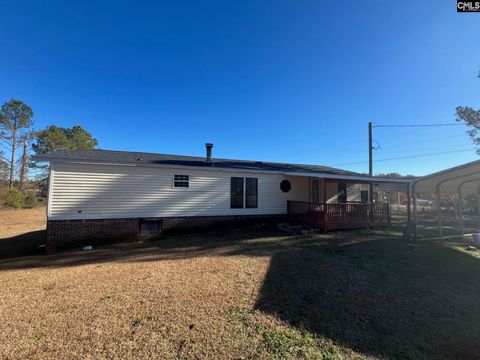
(339, 216)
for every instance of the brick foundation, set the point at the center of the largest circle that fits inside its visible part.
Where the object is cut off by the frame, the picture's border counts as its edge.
(68, 233)
(199, 223)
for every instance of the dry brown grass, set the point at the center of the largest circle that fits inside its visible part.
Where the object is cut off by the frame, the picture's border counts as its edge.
(16, 222)
(164, 309)
(150, 300)
(241, 294)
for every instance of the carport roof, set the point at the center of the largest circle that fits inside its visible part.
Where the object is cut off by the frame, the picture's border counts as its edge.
(467, 176)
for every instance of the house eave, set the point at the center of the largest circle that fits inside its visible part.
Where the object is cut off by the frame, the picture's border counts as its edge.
(358, 178)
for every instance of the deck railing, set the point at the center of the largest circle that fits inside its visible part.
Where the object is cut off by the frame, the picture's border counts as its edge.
(339, 216)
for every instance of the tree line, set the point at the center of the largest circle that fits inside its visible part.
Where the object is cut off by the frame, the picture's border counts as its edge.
(19, 140)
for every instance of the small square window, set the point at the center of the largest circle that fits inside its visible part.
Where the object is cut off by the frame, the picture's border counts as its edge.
(181, 181)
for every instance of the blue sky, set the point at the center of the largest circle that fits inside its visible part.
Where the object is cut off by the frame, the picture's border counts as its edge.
(288, 81)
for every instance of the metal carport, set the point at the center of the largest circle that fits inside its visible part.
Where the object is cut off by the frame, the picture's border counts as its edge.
(462, 180)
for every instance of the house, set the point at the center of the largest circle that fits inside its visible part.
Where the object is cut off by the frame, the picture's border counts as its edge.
(101, 195)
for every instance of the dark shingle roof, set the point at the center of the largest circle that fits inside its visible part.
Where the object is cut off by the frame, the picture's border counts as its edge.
(111, 156)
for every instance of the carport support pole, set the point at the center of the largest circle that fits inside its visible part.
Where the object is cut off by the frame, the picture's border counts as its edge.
(478, 201)
(370, 170)
(460, 209)
(414, 195)
(439, 211)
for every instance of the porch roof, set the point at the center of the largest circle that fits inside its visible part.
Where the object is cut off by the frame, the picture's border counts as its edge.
(387, 183)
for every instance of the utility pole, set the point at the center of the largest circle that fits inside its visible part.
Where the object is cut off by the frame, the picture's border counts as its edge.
(370, 159)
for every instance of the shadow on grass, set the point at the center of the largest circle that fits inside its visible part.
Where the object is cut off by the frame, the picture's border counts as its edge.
(22, 245)
(381, 298)
(20, 251)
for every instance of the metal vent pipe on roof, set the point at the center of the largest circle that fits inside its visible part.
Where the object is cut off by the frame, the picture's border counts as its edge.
(209, 147)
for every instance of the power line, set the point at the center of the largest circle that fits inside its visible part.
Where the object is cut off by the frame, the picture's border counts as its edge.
(421, 142)
(458, 147)
(325, 158)
(417, 125)
(332, 151)
(405, 157)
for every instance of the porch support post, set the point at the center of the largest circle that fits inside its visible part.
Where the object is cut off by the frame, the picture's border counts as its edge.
(409, 210)
(439, 210)
(370, 192)
(324, 190)
(460, 209)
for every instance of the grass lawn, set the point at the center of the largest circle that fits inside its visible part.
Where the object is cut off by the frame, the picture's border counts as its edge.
(240, 294)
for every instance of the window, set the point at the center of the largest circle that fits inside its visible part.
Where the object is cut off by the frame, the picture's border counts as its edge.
(285, 186)
(181, 181)
(342, 193)
(364, 196)
(251, 193)
(243, 193)
(315, 191)
(236, 193)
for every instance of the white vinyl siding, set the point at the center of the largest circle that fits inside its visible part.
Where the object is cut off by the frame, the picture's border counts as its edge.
(94, 191)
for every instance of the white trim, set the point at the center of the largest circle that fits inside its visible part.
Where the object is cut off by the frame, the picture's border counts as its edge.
(253, 171)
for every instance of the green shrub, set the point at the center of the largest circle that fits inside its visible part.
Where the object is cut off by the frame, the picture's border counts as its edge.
(15, 198)
(30, 200)
(3, 194)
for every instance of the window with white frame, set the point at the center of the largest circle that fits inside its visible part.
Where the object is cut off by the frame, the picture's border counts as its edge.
(181, 181)
(243, 193)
